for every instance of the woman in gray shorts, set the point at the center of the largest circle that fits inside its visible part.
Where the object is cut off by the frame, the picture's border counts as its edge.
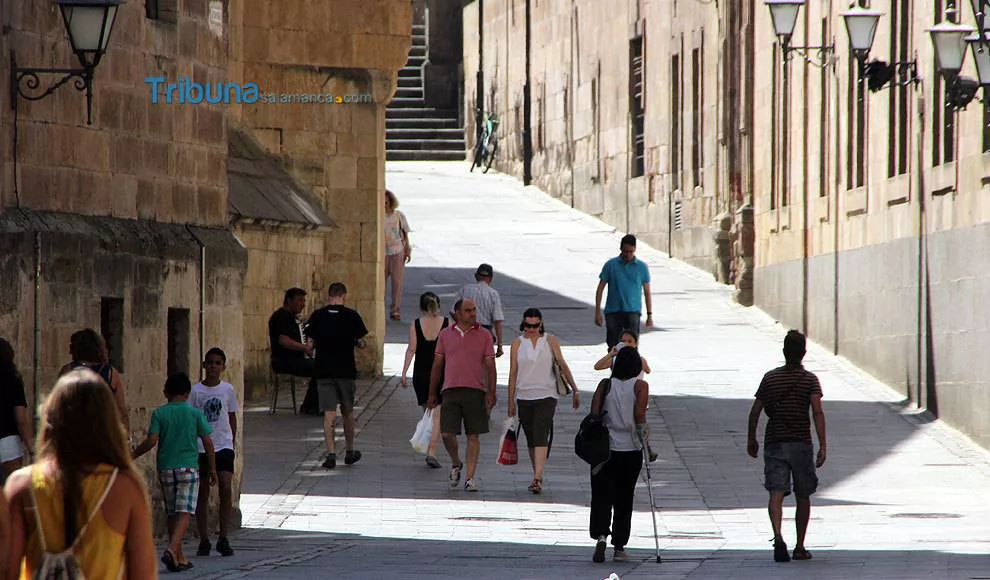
(533, 388)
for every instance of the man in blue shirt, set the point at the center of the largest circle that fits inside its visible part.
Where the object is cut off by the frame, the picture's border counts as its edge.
(625, 276)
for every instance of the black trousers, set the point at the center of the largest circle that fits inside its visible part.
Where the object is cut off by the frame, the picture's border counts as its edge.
(616, 322)
(301, 367)
(612, 492)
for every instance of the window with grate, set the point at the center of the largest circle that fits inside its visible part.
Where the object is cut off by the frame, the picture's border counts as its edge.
(676, 111)
(637, 105)
(163, 10)
(943, 121)
(112, 329)
(697, 114)
(178, 341)
(898, 120)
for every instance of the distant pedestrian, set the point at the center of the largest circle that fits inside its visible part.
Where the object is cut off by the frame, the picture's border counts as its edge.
(533, 388)
(627, 338)
(626, 278)
(290, 354)
(488, 302)
(175, 429)
(398, 251)
(336, 331)
(624, 399)
(786, 393)
(217, 399)
(84, 483)
(423, 335)
(16, 423)
(465, 363)
(89, 350)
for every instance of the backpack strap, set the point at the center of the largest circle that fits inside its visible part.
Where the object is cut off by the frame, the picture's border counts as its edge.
(96, 508)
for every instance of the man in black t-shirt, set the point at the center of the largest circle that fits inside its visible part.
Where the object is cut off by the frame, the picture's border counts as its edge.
(785, 394)
(335, 331)
(288, 349)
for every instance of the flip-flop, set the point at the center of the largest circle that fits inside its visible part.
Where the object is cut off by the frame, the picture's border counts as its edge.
(168, 558)
(801, 554)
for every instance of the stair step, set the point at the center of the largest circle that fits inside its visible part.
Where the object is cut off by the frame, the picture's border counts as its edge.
(425, 156)
(410, 73)
(409, 93)
(421, 145)
(425, 134)
(417, 50)
(419, 113)
(410, 83)
(418, 39)
(406, 103)
(415, 62)
(425, 123)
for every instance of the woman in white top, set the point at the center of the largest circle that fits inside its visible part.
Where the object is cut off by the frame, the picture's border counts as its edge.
(612, 487)
(533, 388)
(398, 251)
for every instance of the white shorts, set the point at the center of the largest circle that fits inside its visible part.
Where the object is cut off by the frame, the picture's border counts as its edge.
(10, 448)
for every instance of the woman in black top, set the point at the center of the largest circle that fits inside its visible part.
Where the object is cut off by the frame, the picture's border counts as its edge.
(15, 423)
(423, 336)
(89, 350)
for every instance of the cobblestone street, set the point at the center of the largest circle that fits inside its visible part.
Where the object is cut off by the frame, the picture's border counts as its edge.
(900, 496)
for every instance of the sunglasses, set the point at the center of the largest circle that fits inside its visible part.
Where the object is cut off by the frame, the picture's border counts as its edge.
(528, 325)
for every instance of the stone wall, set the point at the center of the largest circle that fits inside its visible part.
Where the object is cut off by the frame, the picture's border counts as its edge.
(582, 122)
(343, 48)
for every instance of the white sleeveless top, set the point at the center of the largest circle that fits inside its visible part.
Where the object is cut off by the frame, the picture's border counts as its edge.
(534, 370)
(620, 405)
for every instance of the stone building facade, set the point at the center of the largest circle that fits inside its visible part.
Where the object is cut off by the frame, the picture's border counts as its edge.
(621, 98)
(859, 216)
(172, 228)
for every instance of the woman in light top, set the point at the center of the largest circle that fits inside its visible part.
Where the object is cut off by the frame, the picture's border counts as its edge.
(533, 388)
(85, 474)
(423, 335)
(623, 399)
(627, 338)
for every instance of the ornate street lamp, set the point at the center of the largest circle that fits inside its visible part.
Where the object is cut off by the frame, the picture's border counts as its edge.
(949, 41)
(861, 26)
(89, 24)
(981, 56)
(784, 14)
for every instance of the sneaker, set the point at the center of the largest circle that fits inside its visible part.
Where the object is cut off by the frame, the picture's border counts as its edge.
(432, 462)
(331, 461)
(471, 485)
(223, 546)
(620, 555)
(780, 551)
(599, 555)
(204, 548)
(352, 457)
(455, 475)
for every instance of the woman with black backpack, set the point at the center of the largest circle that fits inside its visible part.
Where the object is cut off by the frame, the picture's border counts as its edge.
(621, 401)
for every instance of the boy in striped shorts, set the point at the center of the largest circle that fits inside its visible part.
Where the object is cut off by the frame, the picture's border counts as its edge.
(175, 428)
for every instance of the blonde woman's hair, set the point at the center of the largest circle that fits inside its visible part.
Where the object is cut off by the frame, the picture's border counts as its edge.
(81, 427)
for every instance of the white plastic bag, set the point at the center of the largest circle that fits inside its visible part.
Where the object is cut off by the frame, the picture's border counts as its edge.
(424, 432)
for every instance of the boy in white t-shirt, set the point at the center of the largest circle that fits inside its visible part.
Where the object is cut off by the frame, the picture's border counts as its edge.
(217, 399)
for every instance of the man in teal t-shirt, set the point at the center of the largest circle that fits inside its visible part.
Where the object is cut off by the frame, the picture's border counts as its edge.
(175, 428)
(625, 277)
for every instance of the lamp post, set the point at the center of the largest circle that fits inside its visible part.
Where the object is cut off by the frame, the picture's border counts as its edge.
(861, 27)
(784, 14)
(949, 41)
(89, 24)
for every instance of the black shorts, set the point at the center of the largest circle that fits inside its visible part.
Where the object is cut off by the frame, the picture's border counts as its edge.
(224, 459)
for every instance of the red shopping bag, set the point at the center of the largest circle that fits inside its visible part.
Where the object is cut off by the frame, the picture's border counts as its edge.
(508, 453)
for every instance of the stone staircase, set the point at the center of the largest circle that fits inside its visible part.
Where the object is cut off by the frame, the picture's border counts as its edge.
(413, 130)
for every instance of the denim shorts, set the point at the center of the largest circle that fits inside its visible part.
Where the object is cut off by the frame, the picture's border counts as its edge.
(782, 460)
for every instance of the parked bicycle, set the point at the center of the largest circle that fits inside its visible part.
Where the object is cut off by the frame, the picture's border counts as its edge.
(487, 146)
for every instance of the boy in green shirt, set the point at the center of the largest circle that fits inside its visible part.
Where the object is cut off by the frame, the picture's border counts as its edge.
(175, 428)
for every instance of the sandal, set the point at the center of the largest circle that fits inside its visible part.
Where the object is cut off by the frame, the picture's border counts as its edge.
(168, 558)
(395, 316)
(801, 554)
(536, 486)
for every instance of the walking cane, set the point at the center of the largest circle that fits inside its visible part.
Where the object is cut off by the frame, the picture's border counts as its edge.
(649, 487)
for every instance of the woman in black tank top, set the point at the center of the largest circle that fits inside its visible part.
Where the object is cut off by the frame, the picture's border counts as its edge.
(423, 348)
(89, 350)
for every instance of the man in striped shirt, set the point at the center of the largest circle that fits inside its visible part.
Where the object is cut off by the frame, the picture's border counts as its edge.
(785, 394)
(488, 301)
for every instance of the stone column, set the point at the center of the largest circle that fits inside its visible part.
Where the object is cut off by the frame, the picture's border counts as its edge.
(744, 239)
(723, 250)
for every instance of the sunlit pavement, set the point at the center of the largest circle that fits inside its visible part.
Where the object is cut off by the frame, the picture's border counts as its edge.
(900, 496)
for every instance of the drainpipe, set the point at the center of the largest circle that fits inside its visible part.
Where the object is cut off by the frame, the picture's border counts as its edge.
(528, 106)
(36, 380)
(202, 297)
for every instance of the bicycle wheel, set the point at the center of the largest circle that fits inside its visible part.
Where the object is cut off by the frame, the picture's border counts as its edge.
(478, 157)
(492, 149)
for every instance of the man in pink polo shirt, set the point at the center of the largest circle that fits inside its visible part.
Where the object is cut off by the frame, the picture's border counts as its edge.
(465, 358)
